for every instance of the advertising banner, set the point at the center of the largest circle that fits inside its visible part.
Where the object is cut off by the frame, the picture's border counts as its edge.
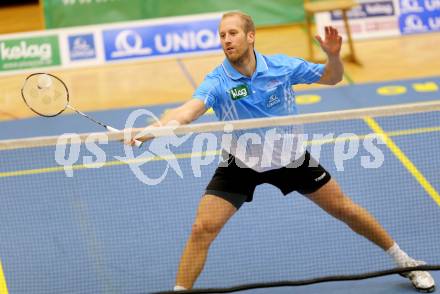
(69, 13)
(370, 19)
(419, 16)
(31, 52)
(98, 45)
(161, 39)
(81, 46)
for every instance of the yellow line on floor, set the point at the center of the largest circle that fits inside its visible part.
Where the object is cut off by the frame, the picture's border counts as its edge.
(407, 163)
(3, 286)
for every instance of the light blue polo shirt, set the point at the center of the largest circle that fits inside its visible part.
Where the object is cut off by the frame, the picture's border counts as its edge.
(267, 93)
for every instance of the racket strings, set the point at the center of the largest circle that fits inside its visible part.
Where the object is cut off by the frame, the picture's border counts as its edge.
(49, 100)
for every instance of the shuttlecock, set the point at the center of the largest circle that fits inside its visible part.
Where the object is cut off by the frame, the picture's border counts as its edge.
(44, 82)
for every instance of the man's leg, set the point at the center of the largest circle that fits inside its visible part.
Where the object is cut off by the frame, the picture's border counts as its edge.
(331, 199)
(212, 215)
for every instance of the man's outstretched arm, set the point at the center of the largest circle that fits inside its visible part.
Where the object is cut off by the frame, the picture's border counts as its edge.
(184, 114)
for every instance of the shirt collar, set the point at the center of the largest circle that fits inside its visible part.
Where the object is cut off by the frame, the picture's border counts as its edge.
(236, 75)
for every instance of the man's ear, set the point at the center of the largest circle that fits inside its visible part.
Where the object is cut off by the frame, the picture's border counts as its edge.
(251, 37)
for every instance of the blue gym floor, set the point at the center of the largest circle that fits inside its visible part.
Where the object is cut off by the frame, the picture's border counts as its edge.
(104, 231)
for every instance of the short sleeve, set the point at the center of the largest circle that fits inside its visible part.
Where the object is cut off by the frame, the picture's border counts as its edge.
(304, 72)
(207, 91)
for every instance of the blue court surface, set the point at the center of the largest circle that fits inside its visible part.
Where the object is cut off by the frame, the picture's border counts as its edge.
(103, 230)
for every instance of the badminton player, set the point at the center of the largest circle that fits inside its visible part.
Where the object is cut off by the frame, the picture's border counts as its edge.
(251, 85)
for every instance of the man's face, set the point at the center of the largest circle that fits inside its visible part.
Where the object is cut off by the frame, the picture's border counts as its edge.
(235, 42)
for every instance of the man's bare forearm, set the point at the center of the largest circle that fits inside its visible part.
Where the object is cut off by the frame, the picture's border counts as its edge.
(181, 115)
(334, 69)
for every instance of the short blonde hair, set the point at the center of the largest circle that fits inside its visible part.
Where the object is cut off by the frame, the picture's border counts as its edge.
(248, 23)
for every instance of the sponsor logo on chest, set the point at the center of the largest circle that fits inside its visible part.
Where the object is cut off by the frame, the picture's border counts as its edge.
(273, 100)
(239, 92)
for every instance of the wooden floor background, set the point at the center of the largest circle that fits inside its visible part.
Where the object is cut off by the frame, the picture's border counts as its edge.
(143, 83)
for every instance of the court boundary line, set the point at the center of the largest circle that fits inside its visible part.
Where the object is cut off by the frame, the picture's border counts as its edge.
(186, 73)
(401, 156)
(45, 170)
(3, 285)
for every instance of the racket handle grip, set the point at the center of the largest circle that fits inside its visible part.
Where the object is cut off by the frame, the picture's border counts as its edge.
(137, 143)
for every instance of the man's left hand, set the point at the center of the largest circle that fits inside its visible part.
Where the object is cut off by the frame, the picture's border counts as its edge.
(332, 42)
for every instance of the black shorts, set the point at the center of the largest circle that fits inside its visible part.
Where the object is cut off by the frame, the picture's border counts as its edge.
(237, 184)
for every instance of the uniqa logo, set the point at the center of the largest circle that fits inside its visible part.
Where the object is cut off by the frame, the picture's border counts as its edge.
(432, 5)
(129, 43)
(414, 23)
(189, 40)
(24, 50)
(408, 6)
(434, 23)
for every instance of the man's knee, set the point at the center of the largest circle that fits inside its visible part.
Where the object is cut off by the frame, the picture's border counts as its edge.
(205, 229)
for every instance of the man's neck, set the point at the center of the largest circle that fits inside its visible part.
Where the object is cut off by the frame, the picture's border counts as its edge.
(247, 65)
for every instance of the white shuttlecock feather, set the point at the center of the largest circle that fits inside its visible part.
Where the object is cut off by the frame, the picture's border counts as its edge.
(44, 82)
